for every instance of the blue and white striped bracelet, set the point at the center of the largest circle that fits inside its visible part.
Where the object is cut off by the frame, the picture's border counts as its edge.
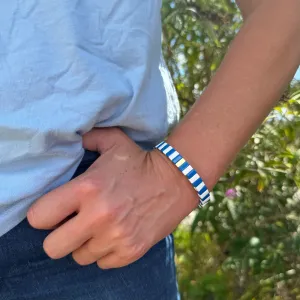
(186, 170)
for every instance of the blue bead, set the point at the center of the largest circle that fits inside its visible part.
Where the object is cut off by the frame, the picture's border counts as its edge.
(177, 159)
(191, 174)
(183, 166)
(164, 147)
(170, 152)
(197, 182)
(157, 146)
(206, 197)
(204, 189)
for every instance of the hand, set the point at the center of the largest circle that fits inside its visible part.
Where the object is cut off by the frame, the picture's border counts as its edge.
(126, 202)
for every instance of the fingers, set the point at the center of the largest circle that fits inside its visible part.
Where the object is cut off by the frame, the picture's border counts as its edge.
(67, 238)
(91, 251)
(103, 139)
(54, 207)
(111, 261)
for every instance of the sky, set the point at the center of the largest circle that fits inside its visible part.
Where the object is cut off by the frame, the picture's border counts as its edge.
(297, 76)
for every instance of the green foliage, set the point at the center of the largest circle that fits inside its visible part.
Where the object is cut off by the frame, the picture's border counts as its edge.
(247, 246)
(199, 261)
(196, 35)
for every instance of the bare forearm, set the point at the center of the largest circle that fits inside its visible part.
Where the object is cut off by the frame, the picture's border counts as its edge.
(261, 61)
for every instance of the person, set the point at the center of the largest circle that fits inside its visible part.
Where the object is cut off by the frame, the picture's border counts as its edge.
(90, 75)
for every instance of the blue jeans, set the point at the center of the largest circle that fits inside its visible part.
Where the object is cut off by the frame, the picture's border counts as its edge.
(27, 273)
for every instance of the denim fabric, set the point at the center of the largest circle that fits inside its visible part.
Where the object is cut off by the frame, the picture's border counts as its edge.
(26, 273)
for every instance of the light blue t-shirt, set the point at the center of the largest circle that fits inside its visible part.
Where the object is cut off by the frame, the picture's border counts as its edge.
(65, 67)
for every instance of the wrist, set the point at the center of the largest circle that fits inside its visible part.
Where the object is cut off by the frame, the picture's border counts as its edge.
(198, 155)
(186, 197)
(187, 171)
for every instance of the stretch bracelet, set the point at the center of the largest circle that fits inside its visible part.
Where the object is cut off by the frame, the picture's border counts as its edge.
(187, 170)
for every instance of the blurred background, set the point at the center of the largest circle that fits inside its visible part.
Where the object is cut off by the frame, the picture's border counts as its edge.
(246, 244)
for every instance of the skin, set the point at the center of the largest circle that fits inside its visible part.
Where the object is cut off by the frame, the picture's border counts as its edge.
(130, 199)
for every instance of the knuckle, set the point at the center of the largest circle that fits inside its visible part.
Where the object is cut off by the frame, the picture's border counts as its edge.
(122, 232)
(102, 216)
(134, 252)
(87, 187)
(108, 213)
(138, 251)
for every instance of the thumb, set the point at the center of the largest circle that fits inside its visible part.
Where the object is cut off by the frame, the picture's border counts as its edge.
(102, 139)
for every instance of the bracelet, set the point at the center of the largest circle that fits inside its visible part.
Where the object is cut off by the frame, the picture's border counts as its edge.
(187, 170)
